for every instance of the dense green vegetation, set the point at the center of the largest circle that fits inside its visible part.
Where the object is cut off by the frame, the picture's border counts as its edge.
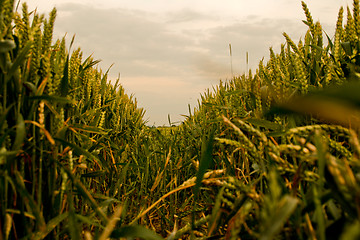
(273, 154)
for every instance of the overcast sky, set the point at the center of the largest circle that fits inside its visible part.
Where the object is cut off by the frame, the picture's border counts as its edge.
(169, 51)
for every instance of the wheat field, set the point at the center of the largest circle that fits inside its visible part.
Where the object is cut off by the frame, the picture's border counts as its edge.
(273, 154)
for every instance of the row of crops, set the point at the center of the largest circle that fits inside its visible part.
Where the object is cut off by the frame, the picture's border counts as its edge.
(270, 154)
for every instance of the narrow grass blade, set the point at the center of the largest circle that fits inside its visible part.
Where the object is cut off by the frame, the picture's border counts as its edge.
(50, 226)
(205, 161)
(20, 133)
(73, 221)
(7, 225)
(286, 207)
(64, 84)
(19, 60)
(320, 218)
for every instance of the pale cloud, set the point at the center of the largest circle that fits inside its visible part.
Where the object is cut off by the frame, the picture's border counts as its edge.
(186, 15)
